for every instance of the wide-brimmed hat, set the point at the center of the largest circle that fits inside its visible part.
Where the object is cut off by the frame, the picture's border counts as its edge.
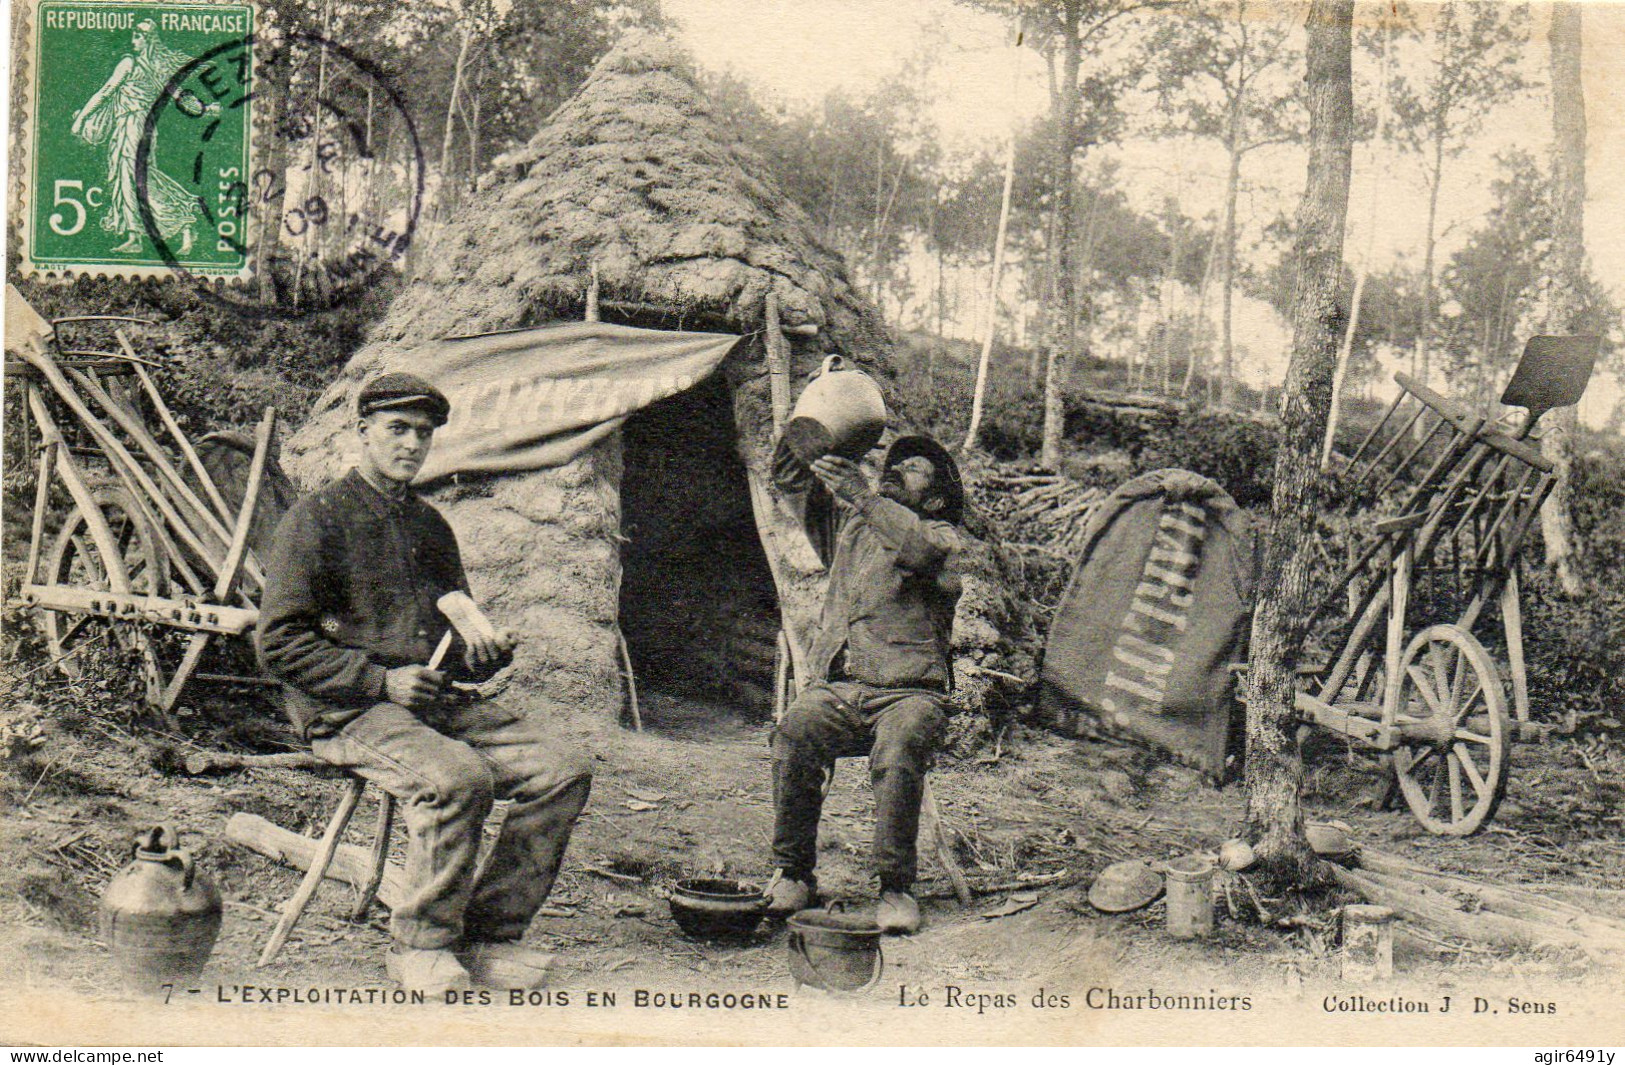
(947, 480)
(394, 391)
(1125, 886)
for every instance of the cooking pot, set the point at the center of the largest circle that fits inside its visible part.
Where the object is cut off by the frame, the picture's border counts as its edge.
(834, 950)
(707, 908)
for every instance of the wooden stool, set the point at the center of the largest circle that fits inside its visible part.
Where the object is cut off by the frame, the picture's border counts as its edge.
(294, 908)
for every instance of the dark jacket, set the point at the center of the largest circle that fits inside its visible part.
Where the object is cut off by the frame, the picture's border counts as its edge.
(350, 591)
(886, 606)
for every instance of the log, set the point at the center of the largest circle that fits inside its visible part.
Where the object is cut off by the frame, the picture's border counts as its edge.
(1441, 913)
(1606, 896)
(1511, 901)
(351, 864)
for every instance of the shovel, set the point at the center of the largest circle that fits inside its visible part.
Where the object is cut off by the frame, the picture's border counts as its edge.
(1553, 372)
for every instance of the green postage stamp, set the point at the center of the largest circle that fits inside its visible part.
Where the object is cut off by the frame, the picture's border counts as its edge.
(139, 130)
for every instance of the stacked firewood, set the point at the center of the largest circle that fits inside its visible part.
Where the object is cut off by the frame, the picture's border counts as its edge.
(1039, 510)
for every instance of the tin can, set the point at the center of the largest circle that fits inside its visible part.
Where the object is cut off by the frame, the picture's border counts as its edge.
(1368, 943)
(1190, 897)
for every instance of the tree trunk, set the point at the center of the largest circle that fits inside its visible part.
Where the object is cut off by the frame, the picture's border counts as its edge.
(1420, 361)
(1060, 350)
(264, 181)
(983, 363)
(1274, 768)
(1347, 350)
(1227, 358)
(1197, 334)
(1166, 302)
(443, 189)
(1568, 273)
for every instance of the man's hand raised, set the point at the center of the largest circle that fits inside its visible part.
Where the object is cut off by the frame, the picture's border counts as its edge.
(842, 477)
(414, 687)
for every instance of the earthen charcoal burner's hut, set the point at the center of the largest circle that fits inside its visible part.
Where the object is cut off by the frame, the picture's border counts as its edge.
(666, 529)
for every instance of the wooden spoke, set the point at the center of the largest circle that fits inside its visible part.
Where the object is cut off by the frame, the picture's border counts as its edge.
(1481, 787)
(1463, 706)
(1459, 677)
(1424, 687)
(1419, 760)
(1456, 810)
(1473, 737)
(1439, 667)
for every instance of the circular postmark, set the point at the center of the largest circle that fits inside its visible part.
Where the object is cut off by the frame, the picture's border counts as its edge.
(324, 199)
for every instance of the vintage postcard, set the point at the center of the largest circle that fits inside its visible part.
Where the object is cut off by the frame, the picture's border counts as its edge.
(1069, 522)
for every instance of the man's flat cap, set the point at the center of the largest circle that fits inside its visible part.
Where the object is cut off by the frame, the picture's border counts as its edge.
(394, 391)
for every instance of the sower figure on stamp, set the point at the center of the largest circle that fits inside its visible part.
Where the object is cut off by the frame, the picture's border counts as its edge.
(347, 624)
(879, 664)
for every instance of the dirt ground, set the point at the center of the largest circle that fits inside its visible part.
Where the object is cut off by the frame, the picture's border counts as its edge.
(692, 796)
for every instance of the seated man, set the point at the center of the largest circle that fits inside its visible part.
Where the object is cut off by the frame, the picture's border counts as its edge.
(879, 665)
(348, 625)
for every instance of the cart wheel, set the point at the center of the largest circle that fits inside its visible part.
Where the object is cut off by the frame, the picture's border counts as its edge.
(1453, 778)
(140, 567)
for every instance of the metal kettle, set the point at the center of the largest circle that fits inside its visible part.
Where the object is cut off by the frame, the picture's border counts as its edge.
(160, 915)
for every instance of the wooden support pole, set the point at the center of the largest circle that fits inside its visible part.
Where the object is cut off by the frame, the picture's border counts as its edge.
(350, 865)
(295, 907)
(42, 499)
(778, 365)
(778, 380)
(379, 856)
(100, 533)
(631, 678)
(942, 844)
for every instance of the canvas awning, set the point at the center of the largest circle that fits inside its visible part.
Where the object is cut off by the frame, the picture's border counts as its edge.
(526, 399)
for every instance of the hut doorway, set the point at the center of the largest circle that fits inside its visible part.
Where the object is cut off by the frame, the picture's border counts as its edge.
(698, 605)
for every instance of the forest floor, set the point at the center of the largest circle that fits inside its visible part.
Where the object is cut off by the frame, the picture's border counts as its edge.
(691, 796)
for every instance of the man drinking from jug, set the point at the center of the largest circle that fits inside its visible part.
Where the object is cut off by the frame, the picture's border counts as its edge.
(349, 625)
(879, 664)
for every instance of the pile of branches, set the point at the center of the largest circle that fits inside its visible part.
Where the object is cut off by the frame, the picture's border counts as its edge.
(1034, 519)
(1038, 510)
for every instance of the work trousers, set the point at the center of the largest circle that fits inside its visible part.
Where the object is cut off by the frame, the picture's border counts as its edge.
(898, 728)
(446, 766)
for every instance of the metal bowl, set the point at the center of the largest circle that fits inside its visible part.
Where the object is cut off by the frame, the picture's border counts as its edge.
(714, 908)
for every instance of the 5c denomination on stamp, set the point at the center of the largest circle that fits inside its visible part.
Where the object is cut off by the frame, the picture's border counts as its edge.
(133, 110)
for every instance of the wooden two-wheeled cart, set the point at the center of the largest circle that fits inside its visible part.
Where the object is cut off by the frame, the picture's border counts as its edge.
(1399, 659)
(133, 543)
